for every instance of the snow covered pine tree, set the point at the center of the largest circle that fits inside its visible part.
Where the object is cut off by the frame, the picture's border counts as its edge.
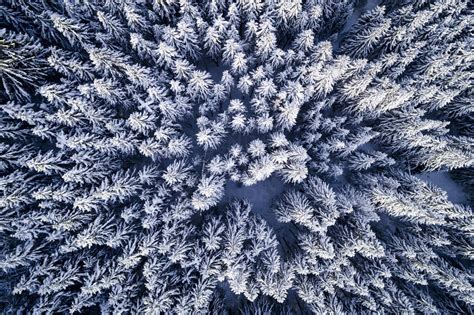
(236, 157)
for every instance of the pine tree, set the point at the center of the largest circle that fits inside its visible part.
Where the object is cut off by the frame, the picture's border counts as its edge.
(366, 34)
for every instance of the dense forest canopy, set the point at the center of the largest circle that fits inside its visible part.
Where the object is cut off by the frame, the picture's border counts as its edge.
(246, 156)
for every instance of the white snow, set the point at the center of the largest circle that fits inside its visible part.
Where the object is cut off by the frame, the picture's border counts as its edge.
(444, 181)
(261, 196)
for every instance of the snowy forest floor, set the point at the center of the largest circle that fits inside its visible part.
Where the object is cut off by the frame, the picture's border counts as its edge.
(442, 179)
